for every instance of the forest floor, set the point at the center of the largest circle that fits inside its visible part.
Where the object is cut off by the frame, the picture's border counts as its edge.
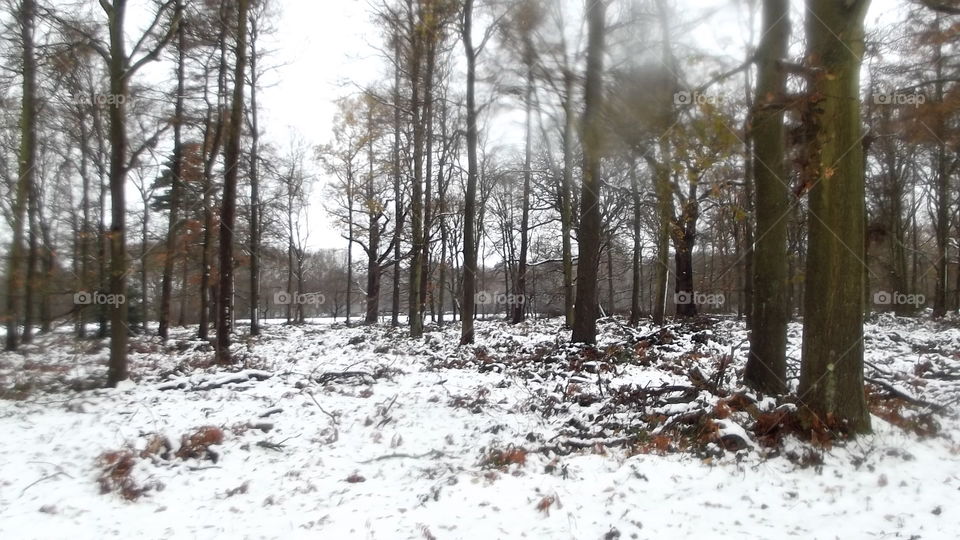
(336, 432)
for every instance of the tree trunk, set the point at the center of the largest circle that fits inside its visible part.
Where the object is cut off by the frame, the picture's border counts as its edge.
(589, 237)
(29, 299)
(25, 171)
(766, 369)
(85, 232)
(397, 188)
(254, 185)
(118, 205)
(416, 191)
(349, 242)
(470, 197)
(212, 148)
(520, 287)
(228, 204)
(144, 251)
(373, 229)
(942, 190)
(428, 88)
(566, 195)
(831, 376)
(637, 262)
(173, 226)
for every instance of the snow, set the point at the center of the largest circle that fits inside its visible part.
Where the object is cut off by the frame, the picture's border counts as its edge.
(417, 429)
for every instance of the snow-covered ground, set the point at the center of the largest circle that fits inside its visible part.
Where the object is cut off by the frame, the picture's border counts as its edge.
(335, 432)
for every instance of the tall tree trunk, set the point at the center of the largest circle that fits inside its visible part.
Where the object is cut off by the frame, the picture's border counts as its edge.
(85, 232)
(586, 309)
(416, 191)
(349, 242)
(428, 89)
(766, 369)
(470, 197)
(176, 170)
(254, 184)
(185, 279)
(684, 241)
(942, 190)
(228, 205)
(29, 299)
(213, 138)
(25, 171)
(118, 205)
(566, 196)
(637, 262)
(520, 287)
(144, 251)
(103, 274)
(397, 188)
(611, 291)
(663, 187)
(831, 376)
(374, 271)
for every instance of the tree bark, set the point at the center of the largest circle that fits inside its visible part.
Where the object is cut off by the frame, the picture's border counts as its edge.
(118, 175)
(173, 226)
(417, 88)
(228, 204)
(589, 237)
(468, 306)
(637, 262)
(520, 287)
(397, 187)
(213, 138)
(566, 192)
(254, 184)
(766, 369)
(831, 376)
(25, 171)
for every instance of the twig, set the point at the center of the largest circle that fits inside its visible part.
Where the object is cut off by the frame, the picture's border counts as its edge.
(333, 420)
(43, 479)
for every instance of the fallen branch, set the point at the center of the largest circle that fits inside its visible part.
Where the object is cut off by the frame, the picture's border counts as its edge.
(432, 453)
(564, 448)
(896, 392)
(335, 375)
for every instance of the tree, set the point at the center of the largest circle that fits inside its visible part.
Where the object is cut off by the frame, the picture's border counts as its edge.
(228, 204)
(589, 237)
(26, 164)
(121, 69)
(520, 29)
(766, 368)
(173, 226)
(831, 375)
(468, 299)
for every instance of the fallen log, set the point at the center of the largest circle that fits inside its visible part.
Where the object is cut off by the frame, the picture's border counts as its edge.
(218, 382)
